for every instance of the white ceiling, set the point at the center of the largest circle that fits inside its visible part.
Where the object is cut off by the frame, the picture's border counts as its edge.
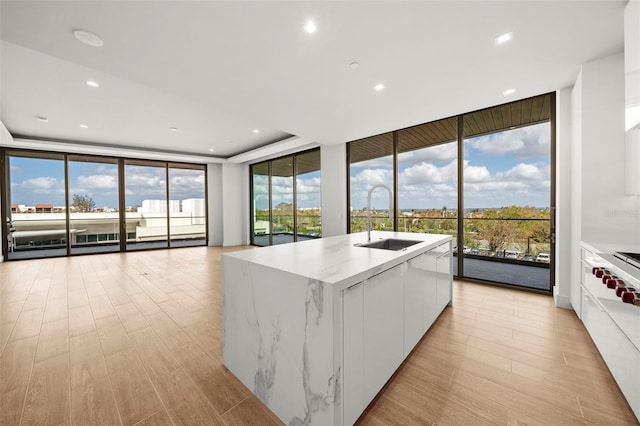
(217, 70)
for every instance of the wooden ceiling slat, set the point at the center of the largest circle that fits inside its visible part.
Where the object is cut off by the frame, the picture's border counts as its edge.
(496, 114)
(489, 120)
(516, 116)
(505, 110)
(526, 111)
(308, 162)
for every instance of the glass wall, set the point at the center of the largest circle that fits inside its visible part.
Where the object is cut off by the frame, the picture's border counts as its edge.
(507, 193)
(428, 178)
(94, 204)
(282, 217)
(499, 215)
(371, 164)
(145, 185)
(261, 211)
(308, 196)
(285, 198)
(188, 223)
(36, 206)
(59, 204)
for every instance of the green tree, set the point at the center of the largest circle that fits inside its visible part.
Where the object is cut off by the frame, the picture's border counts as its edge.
(83, 203)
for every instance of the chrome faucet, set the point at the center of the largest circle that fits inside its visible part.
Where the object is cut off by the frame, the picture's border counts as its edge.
(369, 207)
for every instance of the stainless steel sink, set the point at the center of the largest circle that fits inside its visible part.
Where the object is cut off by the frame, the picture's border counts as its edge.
(390, 244)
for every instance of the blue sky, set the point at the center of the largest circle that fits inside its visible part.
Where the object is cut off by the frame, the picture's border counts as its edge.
(501, 169)
(35, 181)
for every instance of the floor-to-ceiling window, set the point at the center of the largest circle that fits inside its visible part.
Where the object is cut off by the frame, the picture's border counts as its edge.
(285, 199)
(187, 185)
(260, 206)
(484, 177)
(507, 193)
(35, 206)
(94, 204)
(145, 185)
(58, 204)
(282, 209)
(428, 178)
(371, 164)
(308, 195)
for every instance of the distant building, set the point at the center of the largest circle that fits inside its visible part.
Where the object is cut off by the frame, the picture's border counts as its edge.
(159, 206)
(196, 207)
(44, 208)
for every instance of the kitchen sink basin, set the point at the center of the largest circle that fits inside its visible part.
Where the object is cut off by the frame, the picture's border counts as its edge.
(390, 244)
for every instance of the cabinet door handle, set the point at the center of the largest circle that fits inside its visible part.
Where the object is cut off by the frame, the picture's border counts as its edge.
(354, 286)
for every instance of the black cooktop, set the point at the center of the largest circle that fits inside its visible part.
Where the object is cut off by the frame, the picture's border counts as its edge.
(630, 258)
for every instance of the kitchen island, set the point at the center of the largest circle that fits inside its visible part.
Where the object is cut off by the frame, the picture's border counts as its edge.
(316, 328)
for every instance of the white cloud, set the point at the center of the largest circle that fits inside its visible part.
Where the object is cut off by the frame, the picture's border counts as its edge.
(475, 173)
(425, 173)
(97, 182)
(40, 183)
(523, 143)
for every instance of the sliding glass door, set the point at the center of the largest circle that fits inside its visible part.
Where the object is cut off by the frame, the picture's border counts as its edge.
(146, 211)
(36, 207)
(93, 199)
(188, 223)
(285, 199)
(58, 204)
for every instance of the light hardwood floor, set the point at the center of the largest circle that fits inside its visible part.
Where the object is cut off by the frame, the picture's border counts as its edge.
(136, 339)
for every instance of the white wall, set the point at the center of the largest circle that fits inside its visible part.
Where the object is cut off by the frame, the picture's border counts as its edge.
(215, 202)
(333, 162)
(235, 204)
(562, 290)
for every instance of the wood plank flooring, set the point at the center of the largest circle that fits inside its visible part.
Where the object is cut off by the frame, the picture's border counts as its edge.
(135, 339)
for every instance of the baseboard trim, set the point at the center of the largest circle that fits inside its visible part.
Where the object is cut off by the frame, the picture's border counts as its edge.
(562, 301)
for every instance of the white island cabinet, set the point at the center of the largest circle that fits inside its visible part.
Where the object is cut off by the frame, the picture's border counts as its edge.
(315, 329)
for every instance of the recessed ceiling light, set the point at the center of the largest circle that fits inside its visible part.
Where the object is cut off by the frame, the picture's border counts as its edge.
(84, 126)
(503, 38)
(354, 65)
(173, 129)
(92, 83)
(509, 92)
(378, 87)
(88, 38)
(211, 150)
(256, 131)
(310, 27)
(42, 119)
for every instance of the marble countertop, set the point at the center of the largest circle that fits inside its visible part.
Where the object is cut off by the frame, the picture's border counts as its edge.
(337, 260)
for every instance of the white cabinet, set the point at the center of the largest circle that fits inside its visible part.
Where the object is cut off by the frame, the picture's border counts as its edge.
(618, 352)
(383, 318)
(419, 298)
(383, 329)
(443, 277)
(613, 326)
(353, 334)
